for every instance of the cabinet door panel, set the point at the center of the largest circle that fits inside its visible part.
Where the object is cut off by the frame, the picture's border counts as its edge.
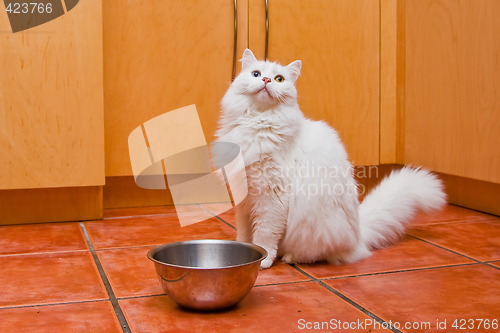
(159, 56)
(51, 101)
(453, 87)
(338, 43)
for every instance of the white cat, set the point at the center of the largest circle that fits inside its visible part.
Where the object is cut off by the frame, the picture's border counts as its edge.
(303, 203)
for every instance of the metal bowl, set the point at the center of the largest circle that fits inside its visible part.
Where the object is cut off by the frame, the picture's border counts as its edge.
(207, 274)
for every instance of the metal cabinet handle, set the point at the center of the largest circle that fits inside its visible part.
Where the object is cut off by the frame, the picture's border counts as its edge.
(235, 42)
(267, 30)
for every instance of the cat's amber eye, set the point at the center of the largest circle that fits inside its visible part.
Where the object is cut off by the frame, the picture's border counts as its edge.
(279, 78)
(255, 73)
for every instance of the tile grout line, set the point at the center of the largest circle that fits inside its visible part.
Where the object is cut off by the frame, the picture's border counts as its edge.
(477, 261)
(112, 297)
(139, 216)
(144, 215)
(280, 283)
(51, 304)
(40, 253)
(217, 217)
(446, 249)
(359, 307)
(151, 215)
(347, 299)
(125, 247)
(490, 265)
(141, 296)
(396, 271)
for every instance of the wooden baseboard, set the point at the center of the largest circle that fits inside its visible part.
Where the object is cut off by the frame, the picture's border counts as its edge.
(471, 193)
(25, 206)
(122, 192)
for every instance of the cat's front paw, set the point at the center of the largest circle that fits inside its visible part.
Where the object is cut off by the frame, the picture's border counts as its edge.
(266, 263)
(288, 258)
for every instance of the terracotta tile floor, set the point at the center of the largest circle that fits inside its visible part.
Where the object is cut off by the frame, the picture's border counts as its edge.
(94, 277)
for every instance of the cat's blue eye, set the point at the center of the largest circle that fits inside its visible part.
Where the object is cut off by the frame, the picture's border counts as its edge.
(255, 73)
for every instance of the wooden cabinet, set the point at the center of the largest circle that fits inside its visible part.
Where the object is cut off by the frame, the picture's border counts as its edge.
(159, 57)
(51, 102)
(440, 93)
(452, 107)
(51, 118)
(338, 43)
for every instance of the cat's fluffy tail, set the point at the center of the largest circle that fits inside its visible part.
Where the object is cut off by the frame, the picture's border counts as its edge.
(387, 209)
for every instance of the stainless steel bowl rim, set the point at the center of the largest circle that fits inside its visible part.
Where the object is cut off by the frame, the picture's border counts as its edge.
(258, 248)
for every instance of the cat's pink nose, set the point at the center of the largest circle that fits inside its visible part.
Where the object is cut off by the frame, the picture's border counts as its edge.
(266, 80)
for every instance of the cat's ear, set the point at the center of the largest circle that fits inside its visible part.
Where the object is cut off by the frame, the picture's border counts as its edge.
(248, 59)
(294, 69)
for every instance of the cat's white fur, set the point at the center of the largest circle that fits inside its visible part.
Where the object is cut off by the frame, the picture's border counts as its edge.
(291, 210)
